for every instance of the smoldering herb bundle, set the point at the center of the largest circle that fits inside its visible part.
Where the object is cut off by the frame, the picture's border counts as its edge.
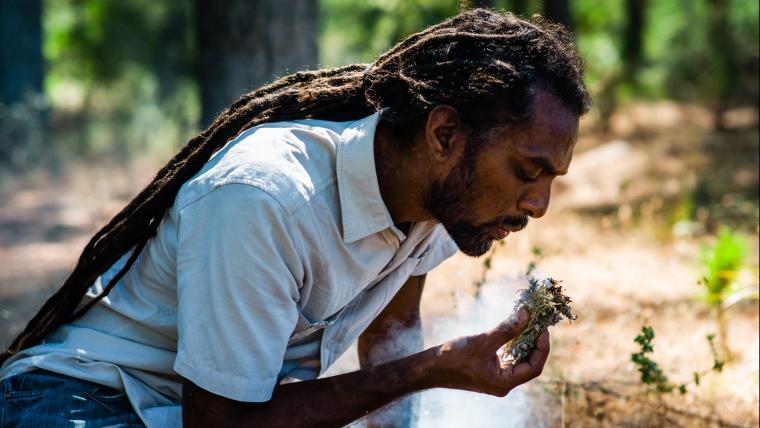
(547, 305)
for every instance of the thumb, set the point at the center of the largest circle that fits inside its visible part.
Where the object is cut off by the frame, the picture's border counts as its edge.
(509, 328)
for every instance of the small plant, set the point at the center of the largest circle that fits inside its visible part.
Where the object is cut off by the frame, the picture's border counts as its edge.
(717, 361)
(721, 264)
(652, 375)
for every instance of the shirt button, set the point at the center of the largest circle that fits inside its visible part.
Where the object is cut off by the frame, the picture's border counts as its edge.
(331, 343)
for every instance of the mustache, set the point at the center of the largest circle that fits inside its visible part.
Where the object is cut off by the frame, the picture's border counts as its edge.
(517, 222)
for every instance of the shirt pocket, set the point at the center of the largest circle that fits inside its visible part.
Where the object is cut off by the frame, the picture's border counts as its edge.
(306, 327)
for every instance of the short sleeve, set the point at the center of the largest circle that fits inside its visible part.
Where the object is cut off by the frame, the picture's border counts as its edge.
(441, 248)
(238, 276)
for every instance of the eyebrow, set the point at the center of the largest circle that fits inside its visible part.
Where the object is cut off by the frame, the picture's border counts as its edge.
(546, 165)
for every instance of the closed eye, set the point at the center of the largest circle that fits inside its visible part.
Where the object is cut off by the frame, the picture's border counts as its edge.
(546, 165)
(522, 175)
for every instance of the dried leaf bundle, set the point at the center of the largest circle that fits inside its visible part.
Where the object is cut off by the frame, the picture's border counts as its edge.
(547, 305)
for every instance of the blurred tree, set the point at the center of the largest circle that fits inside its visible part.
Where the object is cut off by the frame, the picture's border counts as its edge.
(243, 44)
(520, 7)
(358, 31)
(23, 109)
(20, 49)
(100, 42)
(559, 11)
(631, 55)
(634, 28)
(120, 75)
(472, 4)
(726, 65)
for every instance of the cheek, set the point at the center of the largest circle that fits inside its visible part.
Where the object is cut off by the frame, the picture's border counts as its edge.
(498, 189)
(498, 197)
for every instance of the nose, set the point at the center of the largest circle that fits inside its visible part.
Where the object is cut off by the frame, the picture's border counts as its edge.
(535, 201)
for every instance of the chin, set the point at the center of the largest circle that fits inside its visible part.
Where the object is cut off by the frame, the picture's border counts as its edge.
(471, 240)
(474, 248)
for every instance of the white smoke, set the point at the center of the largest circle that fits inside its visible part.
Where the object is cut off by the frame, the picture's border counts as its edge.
(446, 408)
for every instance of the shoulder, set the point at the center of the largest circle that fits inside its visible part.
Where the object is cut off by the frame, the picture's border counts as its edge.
(290, 161)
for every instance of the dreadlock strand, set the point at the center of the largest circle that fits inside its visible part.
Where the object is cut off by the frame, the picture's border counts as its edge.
(112, 283)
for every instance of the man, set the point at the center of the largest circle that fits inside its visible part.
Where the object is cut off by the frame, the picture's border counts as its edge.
(304, 218)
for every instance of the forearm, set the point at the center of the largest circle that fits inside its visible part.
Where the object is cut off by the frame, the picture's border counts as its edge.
(328, 402)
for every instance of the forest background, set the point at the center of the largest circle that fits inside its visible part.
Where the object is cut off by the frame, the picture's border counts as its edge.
(656, 225)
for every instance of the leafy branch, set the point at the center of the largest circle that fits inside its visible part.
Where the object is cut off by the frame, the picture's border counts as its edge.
(651, 373)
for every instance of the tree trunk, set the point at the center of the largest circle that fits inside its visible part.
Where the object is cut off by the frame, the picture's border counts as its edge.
(23, 110)
(520, 7)
(607, 98)
(20, 49)
(559, 11)
(636, 20)
(244, 44)
(726, 63)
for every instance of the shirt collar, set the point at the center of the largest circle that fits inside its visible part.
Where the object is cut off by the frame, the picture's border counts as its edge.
(363, 211)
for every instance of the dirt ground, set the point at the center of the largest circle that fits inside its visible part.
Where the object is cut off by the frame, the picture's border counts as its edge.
(609, 235)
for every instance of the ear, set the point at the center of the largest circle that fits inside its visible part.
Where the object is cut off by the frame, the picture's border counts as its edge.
(445, 134)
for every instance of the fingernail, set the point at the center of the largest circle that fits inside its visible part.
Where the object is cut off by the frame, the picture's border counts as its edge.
(522, 316)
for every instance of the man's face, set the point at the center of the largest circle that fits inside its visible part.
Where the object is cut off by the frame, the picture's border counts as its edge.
(492, 192)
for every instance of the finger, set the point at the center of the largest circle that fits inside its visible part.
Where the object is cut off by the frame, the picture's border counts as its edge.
(532, 368)
(509, 328)
(539, 355)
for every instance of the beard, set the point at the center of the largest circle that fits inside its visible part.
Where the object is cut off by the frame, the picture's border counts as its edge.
(452, 202)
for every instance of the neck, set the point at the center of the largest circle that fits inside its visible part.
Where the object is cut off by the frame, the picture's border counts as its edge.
(401, 177)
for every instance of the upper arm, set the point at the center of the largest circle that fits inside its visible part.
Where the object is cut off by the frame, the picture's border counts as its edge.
(202, 408)
(237, 292)
(405, 305)
(402, 313)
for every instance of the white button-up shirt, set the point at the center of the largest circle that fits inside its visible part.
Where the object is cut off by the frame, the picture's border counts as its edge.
(273, 259)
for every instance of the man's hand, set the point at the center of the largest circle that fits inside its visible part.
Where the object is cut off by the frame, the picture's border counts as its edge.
(470, 362)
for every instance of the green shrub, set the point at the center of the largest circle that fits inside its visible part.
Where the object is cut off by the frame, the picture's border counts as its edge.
(721, 264)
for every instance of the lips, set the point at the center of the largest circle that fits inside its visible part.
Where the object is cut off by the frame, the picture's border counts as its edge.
(501, 233)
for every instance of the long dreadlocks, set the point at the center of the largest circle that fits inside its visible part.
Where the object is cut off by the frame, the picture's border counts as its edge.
(484, 64)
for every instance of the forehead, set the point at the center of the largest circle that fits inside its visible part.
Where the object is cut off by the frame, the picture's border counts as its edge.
(552, 131)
